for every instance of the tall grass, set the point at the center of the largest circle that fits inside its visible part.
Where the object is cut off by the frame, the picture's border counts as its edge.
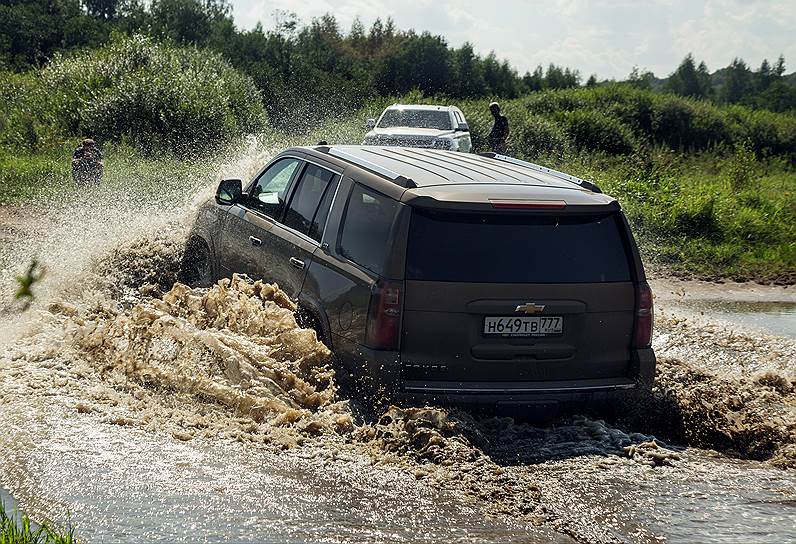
(21, 531)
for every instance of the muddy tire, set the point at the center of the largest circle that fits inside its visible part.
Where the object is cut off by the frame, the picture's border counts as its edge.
(196, 268)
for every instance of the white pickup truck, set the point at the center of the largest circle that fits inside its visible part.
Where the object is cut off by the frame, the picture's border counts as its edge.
(436, 127)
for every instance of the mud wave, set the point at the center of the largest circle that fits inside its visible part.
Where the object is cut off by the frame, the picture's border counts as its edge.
(749, 418)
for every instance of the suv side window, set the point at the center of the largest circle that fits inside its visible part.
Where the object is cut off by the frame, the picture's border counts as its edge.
(458, 116)
(315, 182)
(366, 228)
(270, 190)
(319, 221)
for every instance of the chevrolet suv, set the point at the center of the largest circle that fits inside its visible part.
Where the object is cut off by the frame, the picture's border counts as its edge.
(441, 276)
(437, 127)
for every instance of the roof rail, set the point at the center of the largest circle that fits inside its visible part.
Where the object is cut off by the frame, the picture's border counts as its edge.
(561, 175)
(395, 177)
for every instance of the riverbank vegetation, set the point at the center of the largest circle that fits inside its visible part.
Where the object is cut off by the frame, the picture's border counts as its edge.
(19, 530)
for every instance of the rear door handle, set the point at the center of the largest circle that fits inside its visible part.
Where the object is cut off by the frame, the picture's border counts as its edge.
(297, 263)
(255, 241)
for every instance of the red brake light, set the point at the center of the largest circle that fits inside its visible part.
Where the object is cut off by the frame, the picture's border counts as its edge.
(384, 323)
(528, 204)
(642, 332)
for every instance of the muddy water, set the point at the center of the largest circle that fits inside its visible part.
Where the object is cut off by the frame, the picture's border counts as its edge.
(144, 412)
(764, 309)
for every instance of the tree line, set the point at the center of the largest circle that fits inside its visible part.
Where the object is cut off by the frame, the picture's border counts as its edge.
(304, 71)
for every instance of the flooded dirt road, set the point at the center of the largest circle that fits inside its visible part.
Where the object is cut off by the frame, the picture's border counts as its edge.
(144, 412)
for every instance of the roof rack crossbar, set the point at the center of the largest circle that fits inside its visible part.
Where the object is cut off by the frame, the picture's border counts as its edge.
(561, 175)
(399, 179)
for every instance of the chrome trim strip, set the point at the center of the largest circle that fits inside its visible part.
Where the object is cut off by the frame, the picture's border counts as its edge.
(448, 391)
(539, 168)
(364, 163)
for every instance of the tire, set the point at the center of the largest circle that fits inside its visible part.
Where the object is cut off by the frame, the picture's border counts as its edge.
(306, 319)
(196, 268)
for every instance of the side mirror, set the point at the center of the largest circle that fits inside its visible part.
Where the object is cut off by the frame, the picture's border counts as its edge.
(230, 191)
(463, 127)
(370, 123)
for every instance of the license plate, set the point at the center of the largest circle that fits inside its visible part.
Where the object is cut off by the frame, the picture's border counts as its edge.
(524, 326)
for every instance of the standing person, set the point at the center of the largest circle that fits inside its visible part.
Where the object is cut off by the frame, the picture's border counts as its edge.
(87, 165)
(500, 130)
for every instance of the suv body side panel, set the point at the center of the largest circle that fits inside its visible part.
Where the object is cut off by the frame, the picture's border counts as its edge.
(280, 245)
(238, 250)
(341, 288)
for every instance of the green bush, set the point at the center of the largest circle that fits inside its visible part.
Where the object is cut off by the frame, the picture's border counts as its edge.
(741, 167)
(533, 135)
(24, 119)
(768, 133)
(596, 131)
(152, 95)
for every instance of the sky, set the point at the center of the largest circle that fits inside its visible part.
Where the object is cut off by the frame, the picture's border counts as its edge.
(607, 38)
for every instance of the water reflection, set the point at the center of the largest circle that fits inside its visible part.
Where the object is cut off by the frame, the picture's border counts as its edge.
(774, 318)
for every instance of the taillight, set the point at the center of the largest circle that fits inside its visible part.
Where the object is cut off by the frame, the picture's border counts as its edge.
(384, 317)
(516, 204)
(642, 333)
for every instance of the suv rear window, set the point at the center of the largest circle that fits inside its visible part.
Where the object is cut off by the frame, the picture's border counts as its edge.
(366, 228)
(500, 248)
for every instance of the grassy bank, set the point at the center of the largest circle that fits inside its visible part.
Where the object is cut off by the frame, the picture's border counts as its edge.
(13, 531)
(704, 215)
(43, 177)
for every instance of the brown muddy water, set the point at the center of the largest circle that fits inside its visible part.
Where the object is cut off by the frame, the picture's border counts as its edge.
(145, 412)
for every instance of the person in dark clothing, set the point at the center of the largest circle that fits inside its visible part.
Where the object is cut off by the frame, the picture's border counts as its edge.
(87, 165)
(500, 130)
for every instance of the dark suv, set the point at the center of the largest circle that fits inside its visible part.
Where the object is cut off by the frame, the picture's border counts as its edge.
(443, 276)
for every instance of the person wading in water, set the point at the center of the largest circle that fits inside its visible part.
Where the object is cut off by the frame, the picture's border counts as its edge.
(87, 163)
(500, 130)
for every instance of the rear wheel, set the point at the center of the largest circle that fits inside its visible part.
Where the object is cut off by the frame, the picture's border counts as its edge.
(196, 268)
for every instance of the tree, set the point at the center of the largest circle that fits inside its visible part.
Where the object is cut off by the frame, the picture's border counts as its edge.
(641, 80)
(104, 9)
(31, 31)
(557, 77)
(468, 73)
(534, 82)
(688, 80)
(357, 35)
(764, 76)
(738, 83)
(188, 21)
(592, 81)
(779, 67)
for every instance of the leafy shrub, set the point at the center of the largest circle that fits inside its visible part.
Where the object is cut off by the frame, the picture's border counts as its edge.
(741, 166)
(671, 121)
(596, 131)
(533, 135)
(553, 102)
(153, 95)
(23, 120)
(768, 133)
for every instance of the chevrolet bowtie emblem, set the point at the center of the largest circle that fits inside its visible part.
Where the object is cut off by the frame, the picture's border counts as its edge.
(530, 308)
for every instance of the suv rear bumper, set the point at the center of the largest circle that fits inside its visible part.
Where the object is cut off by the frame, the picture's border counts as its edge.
(382, 370)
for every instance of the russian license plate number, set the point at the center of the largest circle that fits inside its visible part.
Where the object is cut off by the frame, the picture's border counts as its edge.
(524, 326)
